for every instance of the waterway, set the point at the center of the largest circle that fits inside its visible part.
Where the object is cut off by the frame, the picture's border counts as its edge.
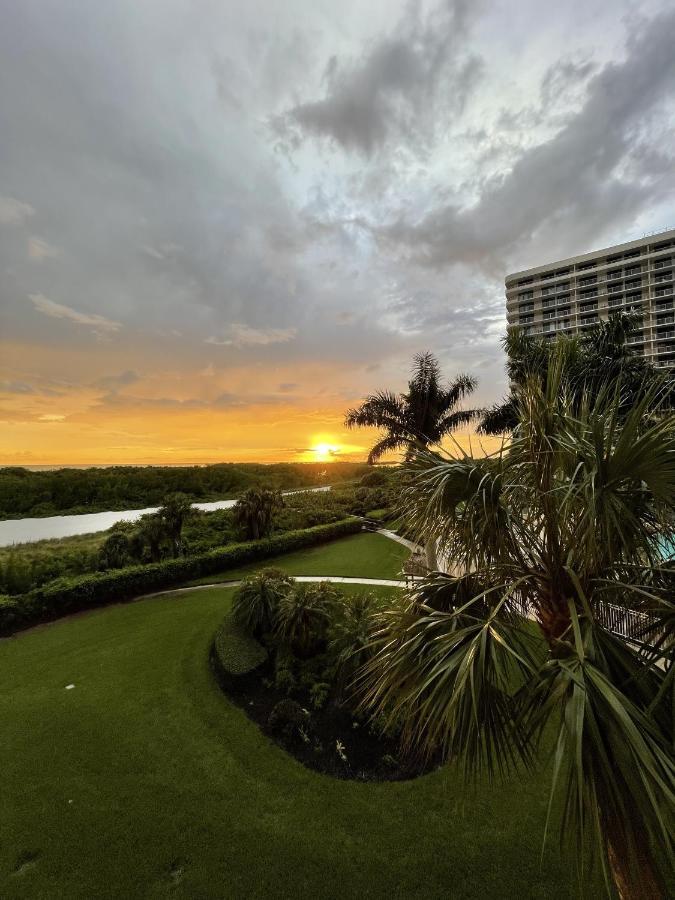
(23, 531)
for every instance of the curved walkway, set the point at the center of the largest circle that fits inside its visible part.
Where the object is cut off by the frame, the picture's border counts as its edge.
(336, 579)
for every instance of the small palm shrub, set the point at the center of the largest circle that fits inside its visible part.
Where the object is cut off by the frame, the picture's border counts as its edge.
(304, 615)
(256, 601)
(352, 633)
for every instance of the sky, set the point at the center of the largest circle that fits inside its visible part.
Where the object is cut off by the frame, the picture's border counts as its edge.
(224, 223)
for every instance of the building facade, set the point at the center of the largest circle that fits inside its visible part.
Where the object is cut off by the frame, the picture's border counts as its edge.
(573, 294)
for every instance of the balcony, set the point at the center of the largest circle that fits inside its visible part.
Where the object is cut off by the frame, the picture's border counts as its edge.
(588, 307)
(663, 264)
(666, 320)
(664, 335)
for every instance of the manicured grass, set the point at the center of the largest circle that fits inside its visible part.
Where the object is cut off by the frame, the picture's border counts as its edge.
(367, 555)
(143, 781)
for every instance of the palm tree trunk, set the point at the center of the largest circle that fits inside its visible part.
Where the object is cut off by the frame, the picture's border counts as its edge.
(430, 550)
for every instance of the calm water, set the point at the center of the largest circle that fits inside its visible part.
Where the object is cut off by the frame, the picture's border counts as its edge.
(23, 531)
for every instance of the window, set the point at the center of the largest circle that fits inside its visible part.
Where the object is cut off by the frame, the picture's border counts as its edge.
(545, 275)
(593, 279)
(525, 281)
(526, 295)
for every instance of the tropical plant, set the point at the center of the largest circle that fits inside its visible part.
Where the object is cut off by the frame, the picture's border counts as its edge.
(151, 533)
(175, 510)
(560, 528)
(256, 600)
(420, 418)
(352, 633)
(115, 551)
(304, 615)
(254, 512)
(600, 355)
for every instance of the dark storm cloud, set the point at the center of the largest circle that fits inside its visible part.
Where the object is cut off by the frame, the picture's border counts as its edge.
(575, 178)
(394, 89)
(149, 222)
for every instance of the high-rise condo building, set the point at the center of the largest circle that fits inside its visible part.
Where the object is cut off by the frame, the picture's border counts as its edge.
(572, 294)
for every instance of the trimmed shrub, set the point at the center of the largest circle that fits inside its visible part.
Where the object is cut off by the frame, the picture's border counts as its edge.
(256, 600)
(10, 614)
(236, 652)
(71, 594)
(287, 718)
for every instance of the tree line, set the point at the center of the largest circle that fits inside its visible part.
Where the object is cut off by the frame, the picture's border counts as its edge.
(70, 491)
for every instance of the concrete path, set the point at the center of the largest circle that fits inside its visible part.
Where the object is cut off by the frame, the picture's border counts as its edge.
(399, 540)
(335, 579)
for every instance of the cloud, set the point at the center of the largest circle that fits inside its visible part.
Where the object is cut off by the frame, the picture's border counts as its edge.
(574, 177)
(395, 89)
(98, 324)
(39, 249)
(16, 387)
(14, 212)
(238, 335)
(287, 387)
(113, 382)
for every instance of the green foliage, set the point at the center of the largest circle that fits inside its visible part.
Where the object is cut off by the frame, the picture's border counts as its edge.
(561, 523)
(10, 614)
(599, 356)
(352, 633)
(236, 651)
(375, 478)
(304, 615)
(288, 717)
(254, 512)
(70, 594)
(318, 694)
(46, 493)
(115, 551)
(257, 599)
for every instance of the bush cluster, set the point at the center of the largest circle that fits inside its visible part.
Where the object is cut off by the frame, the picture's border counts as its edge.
(71, 594)
(316, 639)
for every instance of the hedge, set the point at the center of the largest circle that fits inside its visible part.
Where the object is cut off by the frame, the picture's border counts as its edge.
(72, 594)
(236, 651)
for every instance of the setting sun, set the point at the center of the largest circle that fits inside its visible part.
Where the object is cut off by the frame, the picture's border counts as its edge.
(325, 452)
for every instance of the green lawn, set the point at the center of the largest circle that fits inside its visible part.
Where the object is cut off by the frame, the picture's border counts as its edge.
(143, 781)
(367, 555)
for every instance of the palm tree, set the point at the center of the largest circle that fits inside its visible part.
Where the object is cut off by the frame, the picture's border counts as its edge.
(420, 418)
(561, 528)
(175, 510)
(151, 531)
(254, 512)
(595, 357)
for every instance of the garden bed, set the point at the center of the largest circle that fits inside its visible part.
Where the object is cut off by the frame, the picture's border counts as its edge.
(330, 740)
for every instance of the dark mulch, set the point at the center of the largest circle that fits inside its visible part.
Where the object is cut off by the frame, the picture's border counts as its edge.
(369, 756)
